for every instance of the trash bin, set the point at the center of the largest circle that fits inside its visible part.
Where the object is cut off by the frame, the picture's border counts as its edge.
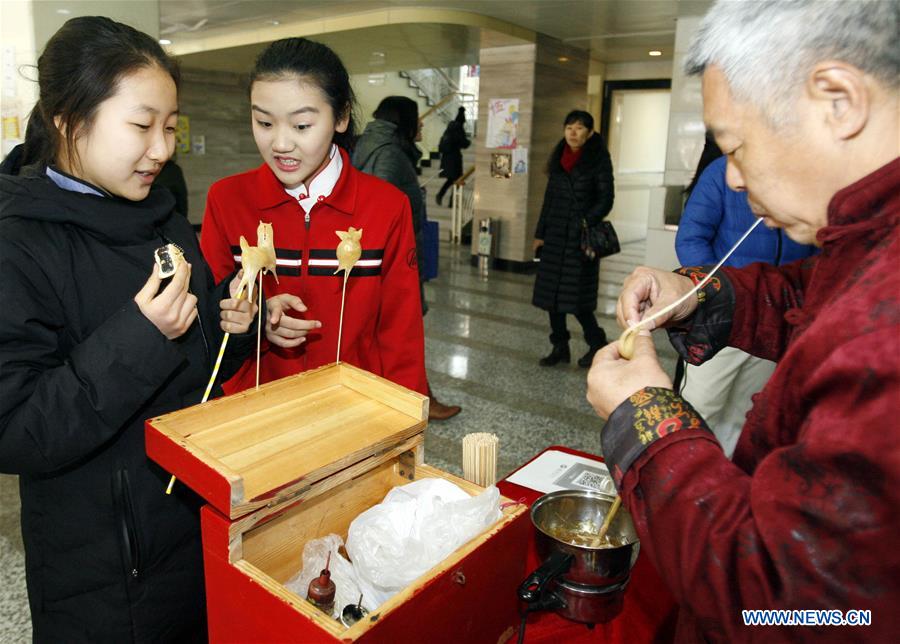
(486, 234)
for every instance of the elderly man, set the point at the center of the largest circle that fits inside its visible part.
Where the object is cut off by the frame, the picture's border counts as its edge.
(803, 99)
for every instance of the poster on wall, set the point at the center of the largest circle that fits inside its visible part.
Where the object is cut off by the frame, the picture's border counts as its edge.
(501, 165)
(183, 135)
(503, 123)
(520, 160)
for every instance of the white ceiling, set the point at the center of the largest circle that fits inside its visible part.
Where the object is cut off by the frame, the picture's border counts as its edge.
(611, 30)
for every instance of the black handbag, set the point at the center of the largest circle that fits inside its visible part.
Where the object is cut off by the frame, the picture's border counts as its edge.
(599, 241)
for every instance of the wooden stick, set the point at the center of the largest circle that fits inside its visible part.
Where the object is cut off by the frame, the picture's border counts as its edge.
(626, 340)
(341, 323)
(609, 518)
(259, 329)
(212, 380)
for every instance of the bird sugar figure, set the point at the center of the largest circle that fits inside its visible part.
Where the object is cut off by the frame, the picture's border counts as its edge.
(348, 253)
(349, 250)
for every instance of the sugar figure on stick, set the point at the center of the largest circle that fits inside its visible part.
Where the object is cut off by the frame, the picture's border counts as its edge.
(348, 253)
(255, 261)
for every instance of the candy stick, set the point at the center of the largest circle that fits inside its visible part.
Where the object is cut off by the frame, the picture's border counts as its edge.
(626, 340)
(341, 323)
(348, 253)
(259, 329)
(212, 379)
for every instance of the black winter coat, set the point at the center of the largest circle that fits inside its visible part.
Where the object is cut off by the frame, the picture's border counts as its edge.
(566, 282)
(109, 557)
(453, 142)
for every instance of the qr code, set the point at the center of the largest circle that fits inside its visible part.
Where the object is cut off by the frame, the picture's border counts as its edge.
(592, 481)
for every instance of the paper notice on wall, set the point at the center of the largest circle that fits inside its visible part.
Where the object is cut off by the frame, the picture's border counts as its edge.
(554, 470)
(503, 123)
(183, 135)
(520, 160)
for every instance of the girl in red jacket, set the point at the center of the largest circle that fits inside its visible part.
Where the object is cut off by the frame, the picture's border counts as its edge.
(301, 110)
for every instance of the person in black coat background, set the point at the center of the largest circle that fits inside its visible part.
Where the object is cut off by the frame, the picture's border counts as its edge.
(580, 187)
(453, 142)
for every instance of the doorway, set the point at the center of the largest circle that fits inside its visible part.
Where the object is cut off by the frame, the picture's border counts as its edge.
(635, 125)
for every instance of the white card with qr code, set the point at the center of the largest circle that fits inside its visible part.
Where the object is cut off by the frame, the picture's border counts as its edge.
(554, 470)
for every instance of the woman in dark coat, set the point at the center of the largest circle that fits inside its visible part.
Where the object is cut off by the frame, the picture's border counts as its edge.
(580, 188)
(453, 142)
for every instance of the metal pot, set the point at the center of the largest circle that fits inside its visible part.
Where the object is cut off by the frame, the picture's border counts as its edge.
(581, 582)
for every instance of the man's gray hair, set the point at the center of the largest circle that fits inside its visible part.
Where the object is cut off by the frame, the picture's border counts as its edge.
(766, 48)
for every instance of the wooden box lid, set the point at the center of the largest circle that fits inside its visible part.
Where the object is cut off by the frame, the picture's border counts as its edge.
(263, 447)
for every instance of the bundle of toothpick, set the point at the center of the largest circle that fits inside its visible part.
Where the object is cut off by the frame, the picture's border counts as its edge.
(480, 458)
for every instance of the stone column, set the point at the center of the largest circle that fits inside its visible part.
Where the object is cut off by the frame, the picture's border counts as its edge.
(550, 79)
(685, 143)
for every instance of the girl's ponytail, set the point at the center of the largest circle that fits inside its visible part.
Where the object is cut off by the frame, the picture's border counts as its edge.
(41, 139)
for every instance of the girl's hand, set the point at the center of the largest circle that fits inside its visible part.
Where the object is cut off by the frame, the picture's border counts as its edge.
(236, 315)
(174, 309)
(283, 330)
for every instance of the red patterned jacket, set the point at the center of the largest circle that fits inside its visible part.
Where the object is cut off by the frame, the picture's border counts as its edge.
(808, 514)
(382, 330)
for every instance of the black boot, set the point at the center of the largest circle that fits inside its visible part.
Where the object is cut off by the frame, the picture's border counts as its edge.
(559, 354)
(587, 359)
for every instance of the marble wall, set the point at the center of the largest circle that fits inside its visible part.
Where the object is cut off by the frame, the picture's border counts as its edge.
(219, 109)
(550, 79)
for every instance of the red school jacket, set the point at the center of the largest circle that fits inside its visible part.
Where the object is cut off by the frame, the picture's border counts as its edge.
(382, 330)
(808, 514)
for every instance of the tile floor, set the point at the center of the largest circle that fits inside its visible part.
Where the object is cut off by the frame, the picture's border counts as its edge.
(483, 341)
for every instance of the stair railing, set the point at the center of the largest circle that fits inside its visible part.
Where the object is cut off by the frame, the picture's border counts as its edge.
(463, 209)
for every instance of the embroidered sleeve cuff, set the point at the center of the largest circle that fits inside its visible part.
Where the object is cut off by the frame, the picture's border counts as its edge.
(645, 417)
(706, 332)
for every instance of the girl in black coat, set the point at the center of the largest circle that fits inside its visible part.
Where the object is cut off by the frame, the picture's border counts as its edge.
(580, 188)
(92, 343)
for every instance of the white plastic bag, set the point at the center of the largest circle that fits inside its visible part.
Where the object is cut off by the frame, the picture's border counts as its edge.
(416, 527)
(315, 554)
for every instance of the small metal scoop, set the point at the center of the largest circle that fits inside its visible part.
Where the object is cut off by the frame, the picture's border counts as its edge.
(352, 613)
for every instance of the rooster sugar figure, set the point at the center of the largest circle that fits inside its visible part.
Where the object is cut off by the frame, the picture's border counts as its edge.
(348, 253)
(255, 262)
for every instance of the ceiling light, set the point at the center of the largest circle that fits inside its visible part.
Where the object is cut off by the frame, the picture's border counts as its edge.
(655, 52)
(165, 41)
(273, 22)
(563, 59)
(64, 12)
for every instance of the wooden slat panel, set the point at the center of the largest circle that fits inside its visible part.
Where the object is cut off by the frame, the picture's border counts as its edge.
(245, 431)
(191, 421)
(385, 391)
(320, 453)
